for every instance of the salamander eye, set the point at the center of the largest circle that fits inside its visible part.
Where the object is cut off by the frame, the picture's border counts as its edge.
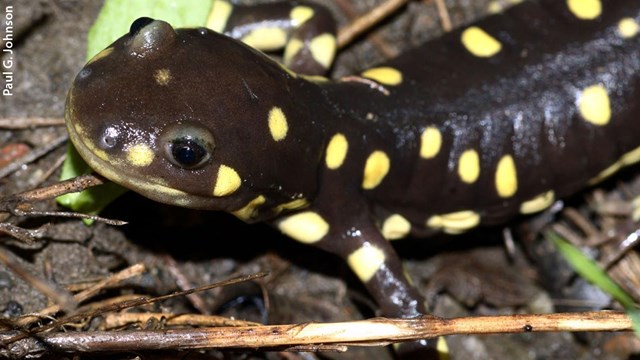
(138, 24)
(188, 147)
(187, 153)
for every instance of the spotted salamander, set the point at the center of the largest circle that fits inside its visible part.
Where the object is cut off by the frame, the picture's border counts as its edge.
(495, 119)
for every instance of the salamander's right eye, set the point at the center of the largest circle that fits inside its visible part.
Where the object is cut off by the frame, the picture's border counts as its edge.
(188, 147)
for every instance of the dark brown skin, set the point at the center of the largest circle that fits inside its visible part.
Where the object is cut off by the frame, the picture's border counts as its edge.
(196, 119)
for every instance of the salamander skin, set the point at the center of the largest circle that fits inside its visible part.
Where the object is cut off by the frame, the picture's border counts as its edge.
(496, 119)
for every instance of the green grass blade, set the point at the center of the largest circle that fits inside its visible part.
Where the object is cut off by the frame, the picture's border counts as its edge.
(592, 272)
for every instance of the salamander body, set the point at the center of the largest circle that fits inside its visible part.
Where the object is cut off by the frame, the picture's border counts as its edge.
(495, 119)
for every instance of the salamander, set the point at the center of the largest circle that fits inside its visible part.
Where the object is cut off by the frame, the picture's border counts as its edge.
(493, 120)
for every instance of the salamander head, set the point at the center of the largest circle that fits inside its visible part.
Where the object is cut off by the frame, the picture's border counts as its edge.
(188, 117)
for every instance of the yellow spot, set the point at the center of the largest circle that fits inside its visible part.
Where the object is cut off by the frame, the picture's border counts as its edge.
(323, 49)
(140, 155)
(635, 204)
(307, 227)
(605, 173)
(585, 9)
(469, 166)
(292, 205)
(506, 177)
(266, 39)
(631, 157)
(384, 75)
(375, 169)
(102, 54)
(300, 14)
(250, 210)
(479, 43)
(336, 151)
(287, 70)
(594, 106)
(162, 76)
(278, 124)
(430, 142)
(315, 78)
(494, 7)
(219, 15)
(628, 28)
(292, 49)
(538, 203)
(395, 227)
(366, 261)
(227, 182)
(442, 348)
(456, 222)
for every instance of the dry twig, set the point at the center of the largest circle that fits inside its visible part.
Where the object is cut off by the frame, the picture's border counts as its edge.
(111, 281)
(30, 122)
(19, 204)
(367, 21)
(373, 332)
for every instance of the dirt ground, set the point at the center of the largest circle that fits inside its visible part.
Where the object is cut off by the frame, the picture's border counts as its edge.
(472, 274)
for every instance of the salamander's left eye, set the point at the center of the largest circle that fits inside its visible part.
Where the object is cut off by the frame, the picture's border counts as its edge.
(188, 147)
(138, 24)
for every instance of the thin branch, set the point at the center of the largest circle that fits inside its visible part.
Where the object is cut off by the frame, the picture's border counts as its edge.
(123, 305)
(32, 156)
(443, 14)
(19, 204)
(111, 281)
(367, 21)
(29, 122)
(76, 184)
(118, 320)
(373, 332)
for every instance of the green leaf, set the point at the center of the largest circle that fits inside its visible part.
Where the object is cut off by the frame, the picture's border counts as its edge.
(592, 272)
(90, 201)
(113, 21)
(117, 15)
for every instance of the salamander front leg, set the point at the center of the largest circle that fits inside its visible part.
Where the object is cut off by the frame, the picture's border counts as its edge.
(373, 260)
(376, 264)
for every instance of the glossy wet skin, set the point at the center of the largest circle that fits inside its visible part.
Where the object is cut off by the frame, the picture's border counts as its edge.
(435, 146)
(493, 120)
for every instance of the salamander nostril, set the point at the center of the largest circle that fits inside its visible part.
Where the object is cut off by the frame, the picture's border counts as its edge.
(138, 24)
(84, 73)
(109, 137)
